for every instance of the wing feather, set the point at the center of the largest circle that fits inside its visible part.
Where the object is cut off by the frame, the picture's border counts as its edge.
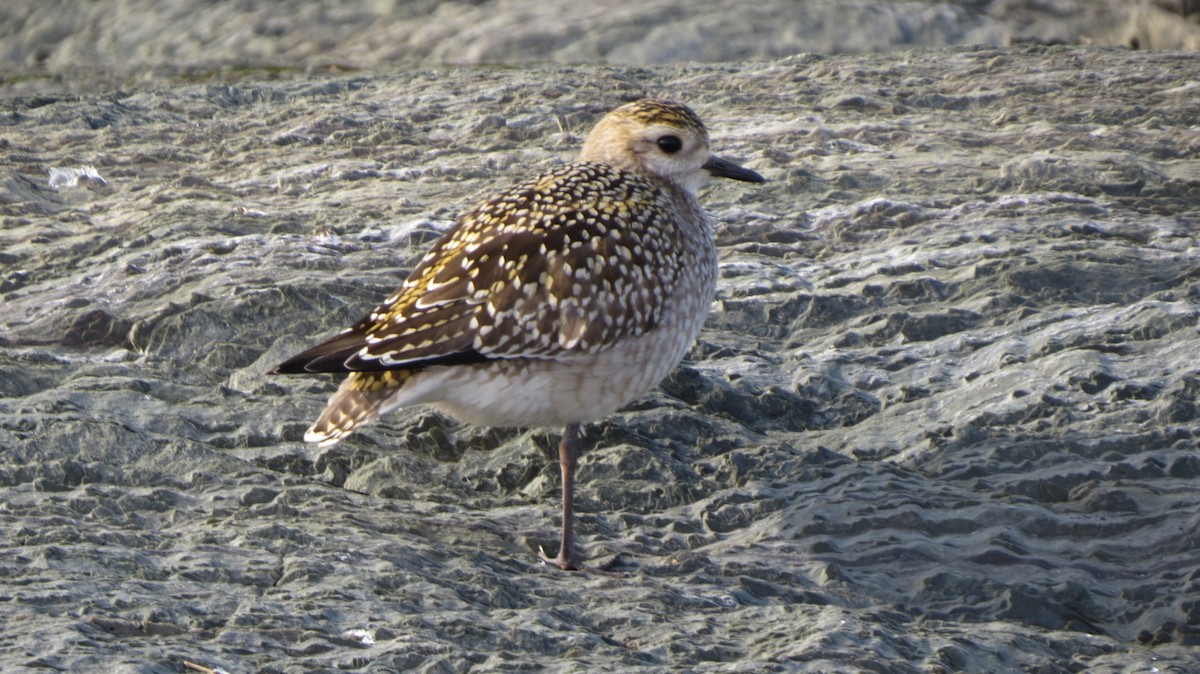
(571, 261)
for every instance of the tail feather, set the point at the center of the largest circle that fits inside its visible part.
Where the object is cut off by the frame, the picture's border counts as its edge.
(357, 401)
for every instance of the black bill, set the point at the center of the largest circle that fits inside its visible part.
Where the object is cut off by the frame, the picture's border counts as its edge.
(727, 169)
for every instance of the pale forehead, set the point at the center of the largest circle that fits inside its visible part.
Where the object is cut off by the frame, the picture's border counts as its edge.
(654, 112)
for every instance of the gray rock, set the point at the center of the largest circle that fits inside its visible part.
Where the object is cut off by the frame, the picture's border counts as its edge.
(216, 40)
(943, 416)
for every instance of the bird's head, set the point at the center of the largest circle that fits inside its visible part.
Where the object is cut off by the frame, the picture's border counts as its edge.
(662, 139)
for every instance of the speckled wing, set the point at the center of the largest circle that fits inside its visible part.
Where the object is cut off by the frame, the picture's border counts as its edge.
(574, 260)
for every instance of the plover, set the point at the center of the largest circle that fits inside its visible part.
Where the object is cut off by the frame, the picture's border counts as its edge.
(552, 303)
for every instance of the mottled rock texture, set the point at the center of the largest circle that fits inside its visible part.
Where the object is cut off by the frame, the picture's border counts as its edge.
(942, 418)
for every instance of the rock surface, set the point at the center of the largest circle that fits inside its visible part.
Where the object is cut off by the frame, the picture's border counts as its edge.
(943, 417)
(59, 38)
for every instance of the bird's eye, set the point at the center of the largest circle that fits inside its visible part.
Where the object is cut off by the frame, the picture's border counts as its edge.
(670, 144)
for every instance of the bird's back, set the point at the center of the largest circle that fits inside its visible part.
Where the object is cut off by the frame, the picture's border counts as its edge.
(554, 284)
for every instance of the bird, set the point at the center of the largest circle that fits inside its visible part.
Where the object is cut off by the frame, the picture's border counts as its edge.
(553, 303)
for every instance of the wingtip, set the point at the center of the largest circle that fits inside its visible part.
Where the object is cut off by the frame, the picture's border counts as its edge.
(321, 358)
(291, 366)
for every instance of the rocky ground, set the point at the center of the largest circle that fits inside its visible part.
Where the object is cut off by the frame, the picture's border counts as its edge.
(942, 418)
(64, 44)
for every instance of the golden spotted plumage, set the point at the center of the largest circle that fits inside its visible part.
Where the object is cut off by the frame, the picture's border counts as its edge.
(571, 261)
(554, 302)
(557, 263)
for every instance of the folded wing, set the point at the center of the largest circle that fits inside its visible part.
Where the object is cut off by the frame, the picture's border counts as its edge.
(571, 261)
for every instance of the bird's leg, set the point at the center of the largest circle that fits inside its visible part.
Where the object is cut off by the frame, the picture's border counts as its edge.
(568, 456)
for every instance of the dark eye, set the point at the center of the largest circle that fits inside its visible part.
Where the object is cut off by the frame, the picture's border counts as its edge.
(670, 144)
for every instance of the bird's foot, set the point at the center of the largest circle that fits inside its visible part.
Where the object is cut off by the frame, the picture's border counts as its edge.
(568, 563)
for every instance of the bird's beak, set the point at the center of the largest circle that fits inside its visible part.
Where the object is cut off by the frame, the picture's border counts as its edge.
(727, 169)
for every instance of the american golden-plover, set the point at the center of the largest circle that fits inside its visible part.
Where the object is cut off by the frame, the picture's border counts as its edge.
(554, 302)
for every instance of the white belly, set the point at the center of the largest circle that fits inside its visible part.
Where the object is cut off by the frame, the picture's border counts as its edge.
(553, 392)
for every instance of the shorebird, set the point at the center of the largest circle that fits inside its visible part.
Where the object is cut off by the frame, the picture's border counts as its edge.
(552, 303)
